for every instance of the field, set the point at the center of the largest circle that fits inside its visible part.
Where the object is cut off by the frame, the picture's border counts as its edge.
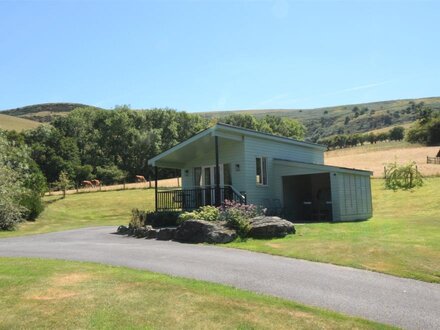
(403, 237)
(44, 294)
(16, 123)
(165, 183)
(374, 157)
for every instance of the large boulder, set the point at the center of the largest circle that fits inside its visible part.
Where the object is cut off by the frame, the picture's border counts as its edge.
(200, 231)
(166, 234)
(270, 227)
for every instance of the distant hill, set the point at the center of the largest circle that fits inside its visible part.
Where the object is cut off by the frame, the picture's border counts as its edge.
(346, 119)
(15, 123)
(44, 112)
(320, 122)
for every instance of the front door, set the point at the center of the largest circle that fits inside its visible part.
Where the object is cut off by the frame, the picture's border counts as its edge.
(209, 183)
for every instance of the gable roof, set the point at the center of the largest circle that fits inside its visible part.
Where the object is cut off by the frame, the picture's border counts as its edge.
(226, 128)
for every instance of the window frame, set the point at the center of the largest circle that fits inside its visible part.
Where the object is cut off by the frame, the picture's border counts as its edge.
(263, 168)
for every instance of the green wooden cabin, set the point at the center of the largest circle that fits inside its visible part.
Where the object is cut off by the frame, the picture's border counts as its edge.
(286, 176)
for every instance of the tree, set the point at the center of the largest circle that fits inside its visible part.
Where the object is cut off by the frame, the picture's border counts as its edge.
(347, 120)
(402, 176)
(11, 211)
(63, 182)
(397, 133)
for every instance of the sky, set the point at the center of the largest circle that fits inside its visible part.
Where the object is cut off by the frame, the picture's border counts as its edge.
(217, 55)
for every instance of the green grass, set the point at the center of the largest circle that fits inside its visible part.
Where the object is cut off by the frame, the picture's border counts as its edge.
(15, 123)
(53, 294)
(403, 237)
(86, 210)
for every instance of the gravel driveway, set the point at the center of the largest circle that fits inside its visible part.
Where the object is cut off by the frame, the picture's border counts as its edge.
(383, 298)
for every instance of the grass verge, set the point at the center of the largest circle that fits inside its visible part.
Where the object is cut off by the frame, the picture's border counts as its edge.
(39, 293)
(403, 237)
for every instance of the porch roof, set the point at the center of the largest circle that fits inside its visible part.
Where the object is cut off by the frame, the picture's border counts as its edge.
(176, 156)
(322, 167)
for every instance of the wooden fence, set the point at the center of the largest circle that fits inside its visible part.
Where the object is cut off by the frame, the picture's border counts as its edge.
(433, 160)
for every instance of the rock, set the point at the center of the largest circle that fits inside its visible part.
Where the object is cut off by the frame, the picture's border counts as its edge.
(151, 233)
(140, 232)
(166, 234)
(200, 231)
(122, 230)
(270, 227)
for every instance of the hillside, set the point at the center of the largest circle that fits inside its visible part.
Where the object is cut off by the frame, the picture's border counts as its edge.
(320, 122)
(374, 157)
(15, 123)
(43, 112)
(364, 117)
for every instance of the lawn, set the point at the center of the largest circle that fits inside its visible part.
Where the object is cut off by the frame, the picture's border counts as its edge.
(86, 210)
(54, 294)
(403, 237)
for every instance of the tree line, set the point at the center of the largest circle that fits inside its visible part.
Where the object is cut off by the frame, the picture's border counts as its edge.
(351, 140)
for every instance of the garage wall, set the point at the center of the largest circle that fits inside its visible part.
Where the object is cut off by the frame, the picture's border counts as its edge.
(351, 195)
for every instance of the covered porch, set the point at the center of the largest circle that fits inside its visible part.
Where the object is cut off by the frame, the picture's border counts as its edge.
(209, 163)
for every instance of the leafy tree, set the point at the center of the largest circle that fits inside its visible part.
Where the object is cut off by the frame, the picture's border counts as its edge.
(64, 182)
(402, 176)
(397, 133)
(11, 212)
(110, 174)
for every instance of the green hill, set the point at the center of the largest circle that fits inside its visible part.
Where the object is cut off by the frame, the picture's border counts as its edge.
(320, 122)
(15, 123)
(346, 119)
(43, 112)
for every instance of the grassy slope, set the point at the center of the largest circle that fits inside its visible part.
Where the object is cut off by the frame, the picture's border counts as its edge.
(403, 237)
(86, 210)
(15, 123)
(38, 293)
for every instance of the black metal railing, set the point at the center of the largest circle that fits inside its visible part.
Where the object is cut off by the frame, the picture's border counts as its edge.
(191, 199)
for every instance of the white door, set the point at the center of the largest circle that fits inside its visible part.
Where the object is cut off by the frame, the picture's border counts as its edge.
(209, 182)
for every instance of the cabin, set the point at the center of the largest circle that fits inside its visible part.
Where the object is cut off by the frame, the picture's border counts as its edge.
(286, 176)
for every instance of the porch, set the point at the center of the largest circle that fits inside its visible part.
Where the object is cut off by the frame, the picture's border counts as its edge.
(191, 199)
(210, 165)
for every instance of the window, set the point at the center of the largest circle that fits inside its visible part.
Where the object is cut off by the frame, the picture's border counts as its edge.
(261, 170)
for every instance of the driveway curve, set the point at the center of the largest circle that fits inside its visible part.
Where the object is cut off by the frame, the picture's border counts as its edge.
(397, 301)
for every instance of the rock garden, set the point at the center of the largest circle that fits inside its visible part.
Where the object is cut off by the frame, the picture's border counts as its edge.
(207, 224)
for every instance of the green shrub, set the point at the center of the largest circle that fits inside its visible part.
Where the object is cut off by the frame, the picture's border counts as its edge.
(110, 174)
(402, 176)
(207, 213)
(238, 221)
(138, 219)
(33, 204)
(162, 219)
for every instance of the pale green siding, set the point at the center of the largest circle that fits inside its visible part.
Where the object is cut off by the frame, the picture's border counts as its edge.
(260, 147)
(351, 196)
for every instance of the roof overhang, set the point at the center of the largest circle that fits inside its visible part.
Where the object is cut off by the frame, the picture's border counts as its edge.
(322, 167)
(176, 156)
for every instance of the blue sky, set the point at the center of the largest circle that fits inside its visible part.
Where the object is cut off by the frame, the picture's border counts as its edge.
(217, 55)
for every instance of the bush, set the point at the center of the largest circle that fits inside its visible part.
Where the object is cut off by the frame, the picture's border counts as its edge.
(33, 204)
(138, 219)
(402, 176)
(162, 219)
(207, 213)
(11, 212)
(110, 174)
(237, 216)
